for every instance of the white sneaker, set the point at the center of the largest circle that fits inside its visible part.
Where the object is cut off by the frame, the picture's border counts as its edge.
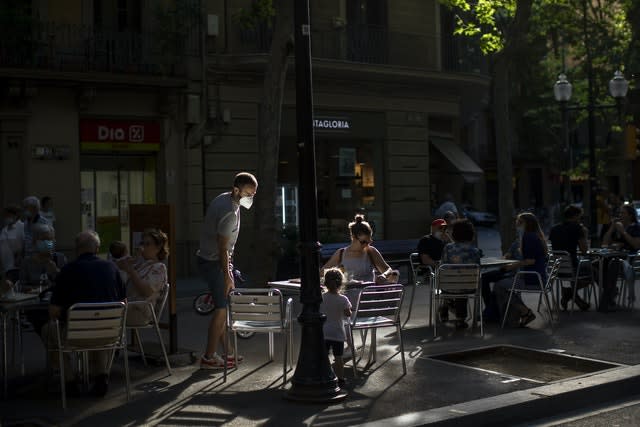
(215, 362)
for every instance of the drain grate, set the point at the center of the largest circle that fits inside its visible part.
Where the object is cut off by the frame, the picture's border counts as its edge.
(526, 363)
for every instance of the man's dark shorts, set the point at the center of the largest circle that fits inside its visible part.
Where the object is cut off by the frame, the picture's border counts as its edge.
(337, 347)
(212, 274)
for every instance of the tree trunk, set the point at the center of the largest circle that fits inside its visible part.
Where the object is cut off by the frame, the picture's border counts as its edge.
(265, 248)
(503, 150)
(515, 45)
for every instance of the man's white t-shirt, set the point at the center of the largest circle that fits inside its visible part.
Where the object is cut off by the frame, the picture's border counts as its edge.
(222, 218)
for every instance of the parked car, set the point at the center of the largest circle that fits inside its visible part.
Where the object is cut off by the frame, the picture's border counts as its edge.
(478, 217)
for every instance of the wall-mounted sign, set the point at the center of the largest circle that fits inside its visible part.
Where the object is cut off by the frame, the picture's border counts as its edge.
(119, 135)
(331, 124)
(51, 152)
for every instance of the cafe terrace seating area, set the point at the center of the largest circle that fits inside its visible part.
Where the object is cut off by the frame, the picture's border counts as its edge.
(381, 321)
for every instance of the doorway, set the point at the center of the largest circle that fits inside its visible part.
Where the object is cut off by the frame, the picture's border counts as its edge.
(108, 185)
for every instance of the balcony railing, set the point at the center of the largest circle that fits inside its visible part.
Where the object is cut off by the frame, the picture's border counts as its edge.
(376, 45)
(71, 47)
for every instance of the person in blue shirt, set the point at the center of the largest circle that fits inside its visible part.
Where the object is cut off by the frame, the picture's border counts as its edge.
(461, 251)
(533, 248)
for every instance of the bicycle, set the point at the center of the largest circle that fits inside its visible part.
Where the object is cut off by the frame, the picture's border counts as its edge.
(203, 304)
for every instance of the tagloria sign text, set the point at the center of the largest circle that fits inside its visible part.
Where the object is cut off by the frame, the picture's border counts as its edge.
(332, 124)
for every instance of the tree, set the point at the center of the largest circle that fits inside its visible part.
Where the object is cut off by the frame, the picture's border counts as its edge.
(265, 247)
(530, 42)
(501, 27)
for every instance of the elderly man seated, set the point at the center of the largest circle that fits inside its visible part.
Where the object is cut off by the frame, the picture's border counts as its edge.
(86, 279)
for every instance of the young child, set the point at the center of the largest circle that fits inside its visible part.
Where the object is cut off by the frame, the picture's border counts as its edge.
(337, 307)
(117, 251)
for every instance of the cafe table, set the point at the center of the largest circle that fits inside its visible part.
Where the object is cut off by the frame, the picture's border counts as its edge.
(491, 262)
(603, 254)
(350, 290)
(13, 304)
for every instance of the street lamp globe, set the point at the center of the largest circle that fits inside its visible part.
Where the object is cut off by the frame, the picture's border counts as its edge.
(618, 85)
(562, 89)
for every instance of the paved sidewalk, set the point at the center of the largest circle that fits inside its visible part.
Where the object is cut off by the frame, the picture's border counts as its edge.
(253, 395)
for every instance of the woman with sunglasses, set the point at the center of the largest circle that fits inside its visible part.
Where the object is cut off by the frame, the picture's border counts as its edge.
(360, 261)
(147, 275)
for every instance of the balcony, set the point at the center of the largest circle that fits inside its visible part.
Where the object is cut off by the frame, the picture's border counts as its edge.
(51, 46)
(376, 45)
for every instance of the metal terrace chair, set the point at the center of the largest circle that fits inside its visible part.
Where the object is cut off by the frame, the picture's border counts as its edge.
(378, 306)
(543, 289)
(92, 327)
(567, 274)
(156, 312)
(261, 310)
(454, 281)
(422, 275)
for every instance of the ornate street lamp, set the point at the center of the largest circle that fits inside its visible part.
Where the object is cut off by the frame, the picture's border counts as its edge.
(314, 380)
(562, 90)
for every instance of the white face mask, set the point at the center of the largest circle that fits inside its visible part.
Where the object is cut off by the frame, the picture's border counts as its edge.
(246, 202)
(438, 235)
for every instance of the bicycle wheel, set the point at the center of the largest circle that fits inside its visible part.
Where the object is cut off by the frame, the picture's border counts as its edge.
(203, 304)
(245, 335)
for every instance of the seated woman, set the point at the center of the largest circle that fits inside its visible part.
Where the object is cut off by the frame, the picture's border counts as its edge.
(461, 251)
(147, 275)
(41, 268)
(360, 261)
(533, 248)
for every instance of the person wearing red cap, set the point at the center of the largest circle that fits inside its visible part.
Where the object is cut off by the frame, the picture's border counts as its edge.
(430, 246)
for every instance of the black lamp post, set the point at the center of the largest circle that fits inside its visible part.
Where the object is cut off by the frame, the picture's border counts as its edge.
(562, 90)
(314, 380)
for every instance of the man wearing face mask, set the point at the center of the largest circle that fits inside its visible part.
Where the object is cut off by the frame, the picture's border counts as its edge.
(11, 239)
(32, 217)
(43, 265)
(217, 240)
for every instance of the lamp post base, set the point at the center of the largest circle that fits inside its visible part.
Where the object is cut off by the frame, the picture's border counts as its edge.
(314, 380)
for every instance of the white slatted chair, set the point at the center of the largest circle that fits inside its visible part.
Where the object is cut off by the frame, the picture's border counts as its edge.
(377, 306)
(454, 281)
(566, 274)
(156, 312)
(92, 327)
(265, 311)
(422, 275)
(543, 289)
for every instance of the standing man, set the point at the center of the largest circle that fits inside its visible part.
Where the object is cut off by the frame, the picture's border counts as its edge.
(32, 216)
(86, 279)
(217, 240)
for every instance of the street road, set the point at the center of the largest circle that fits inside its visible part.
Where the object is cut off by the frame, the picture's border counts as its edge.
(620, 414)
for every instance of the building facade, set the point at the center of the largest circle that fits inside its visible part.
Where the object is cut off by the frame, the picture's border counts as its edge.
(112, 103)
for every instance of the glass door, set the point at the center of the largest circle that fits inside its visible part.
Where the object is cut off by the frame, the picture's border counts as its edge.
(106, 193)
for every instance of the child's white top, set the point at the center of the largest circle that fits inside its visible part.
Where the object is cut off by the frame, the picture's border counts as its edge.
(333, 305)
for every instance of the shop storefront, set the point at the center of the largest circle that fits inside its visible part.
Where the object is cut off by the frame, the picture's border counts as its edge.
(117, 168)
(349, 168)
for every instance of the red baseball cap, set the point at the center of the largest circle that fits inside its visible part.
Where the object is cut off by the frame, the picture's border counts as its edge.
(439, 223)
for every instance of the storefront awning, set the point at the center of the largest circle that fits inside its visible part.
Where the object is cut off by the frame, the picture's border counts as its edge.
(469, 170)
